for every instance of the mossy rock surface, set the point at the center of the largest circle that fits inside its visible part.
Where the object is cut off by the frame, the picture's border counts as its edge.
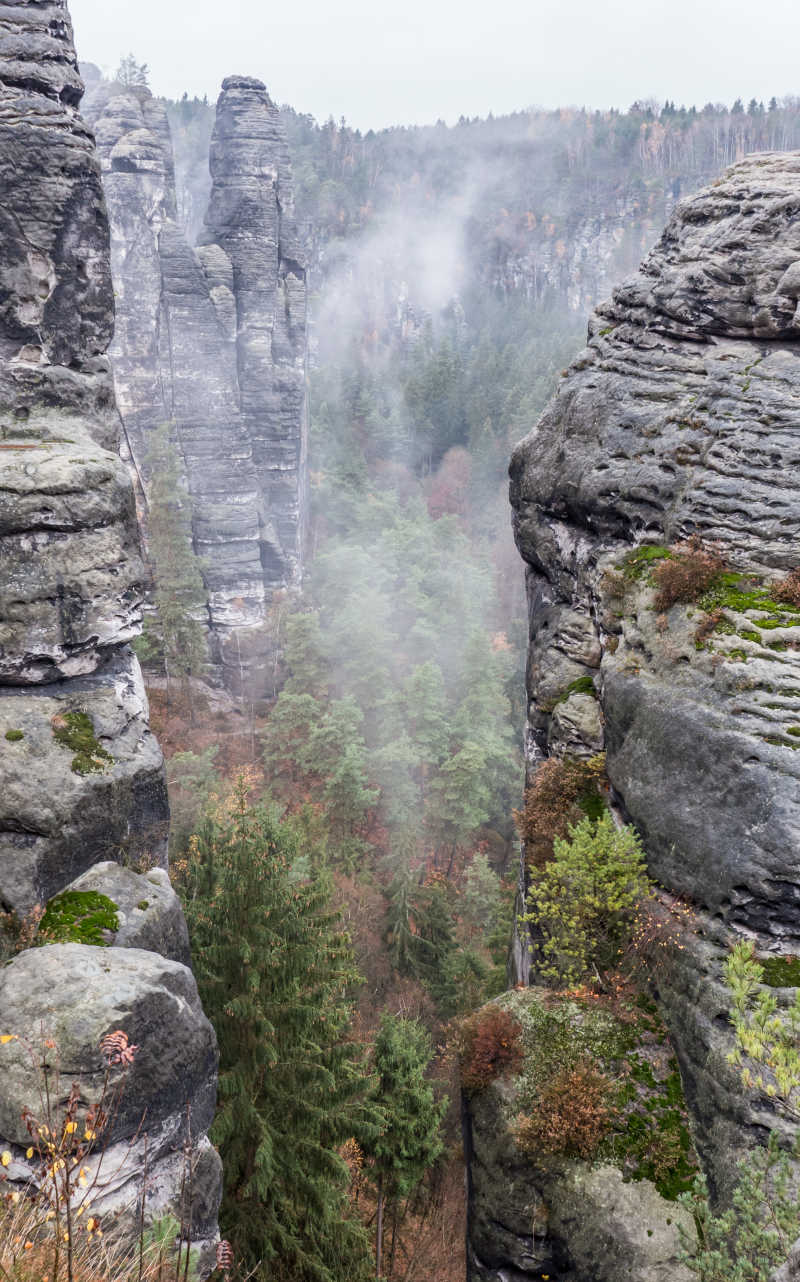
(781, 972)
(648, 1136)
(79, 917)
(582, 685)
(14, 736)
(638, 562)
(75, 730)
(536, 1213)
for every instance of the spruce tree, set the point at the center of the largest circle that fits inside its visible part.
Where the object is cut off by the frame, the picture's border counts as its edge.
(273, 968)
(409, 1143)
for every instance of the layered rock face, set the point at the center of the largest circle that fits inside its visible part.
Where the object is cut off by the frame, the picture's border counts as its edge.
(680, 419)
(71, 594)
(213, 343)
(82, 775)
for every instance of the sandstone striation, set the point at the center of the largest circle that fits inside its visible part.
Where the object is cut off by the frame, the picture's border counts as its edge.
(679, 419)
(82, 774)
(212, 341)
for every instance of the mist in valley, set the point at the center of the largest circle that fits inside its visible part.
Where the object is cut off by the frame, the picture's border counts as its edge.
(451, 269)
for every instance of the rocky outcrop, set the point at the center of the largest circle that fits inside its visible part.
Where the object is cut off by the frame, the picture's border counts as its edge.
(213, 342)
(534, 1212)
(679, 419)
(149, 913)
(82, 775)
(161, 1114)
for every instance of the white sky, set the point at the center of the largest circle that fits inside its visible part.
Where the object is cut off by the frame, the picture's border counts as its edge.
(413, 61)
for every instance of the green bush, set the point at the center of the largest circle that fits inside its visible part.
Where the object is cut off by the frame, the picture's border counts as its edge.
(582, 902)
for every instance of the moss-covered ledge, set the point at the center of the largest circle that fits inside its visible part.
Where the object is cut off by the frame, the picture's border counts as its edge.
(594, 1198)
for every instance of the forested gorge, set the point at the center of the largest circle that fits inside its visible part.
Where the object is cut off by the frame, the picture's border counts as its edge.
(481, 826)
(356, 827)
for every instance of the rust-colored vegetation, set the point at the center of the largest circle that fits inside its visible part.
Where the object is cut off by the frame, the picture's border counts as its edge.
(563, 792)
(573, 1114)
(687, 573)
(490, 1047)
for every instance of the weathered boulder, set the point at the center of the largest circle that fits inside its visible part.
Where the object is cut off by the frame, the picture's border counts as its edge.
(153, 1000)
(148, 910)
(163, 1103)
(83, 781)
(679, 419)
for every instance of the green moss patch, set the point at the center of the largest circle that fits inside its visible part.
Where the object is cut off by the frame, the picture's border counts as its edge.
(14, 736)
(636, 563)
(648, 1134)
(780, 972)
(79, 917)
(582, 685)
(74, 730)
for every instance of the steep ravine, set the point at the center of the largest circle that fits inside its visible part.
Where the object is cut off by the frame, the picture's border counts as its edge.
(83, 780)
(678, 419)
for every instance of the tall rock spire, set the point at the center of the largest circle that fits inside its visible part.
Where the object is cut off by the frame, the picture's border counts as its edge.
(213, 342)
(251, 217)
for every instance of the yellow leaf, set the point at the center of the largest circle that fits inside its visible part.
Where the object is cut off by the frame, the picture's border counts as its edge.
(29, 1153)
(7, 1037)
(70, 1127)
(5, 1158)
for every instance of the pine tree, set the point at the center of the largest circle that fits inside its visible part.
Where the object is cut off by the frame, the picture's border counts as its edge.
(409, 1143)
(399, 928)
(273, 967)
(132, 74)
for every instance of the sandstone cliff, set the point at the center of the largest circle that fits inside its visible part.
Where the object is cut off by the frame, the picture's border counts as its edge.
(679, 419)
(213, 342)
(82, 775)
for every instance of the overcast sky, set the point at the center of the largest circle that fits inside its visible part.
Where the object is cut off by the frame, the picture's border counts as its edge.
(414, 61)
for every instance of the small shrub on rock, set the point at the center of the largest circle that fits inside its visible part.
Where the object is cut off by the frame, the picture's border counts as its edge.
(490, 1046)
(684, 576)
(788, 589)
(573, 1114)
(562, 793)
